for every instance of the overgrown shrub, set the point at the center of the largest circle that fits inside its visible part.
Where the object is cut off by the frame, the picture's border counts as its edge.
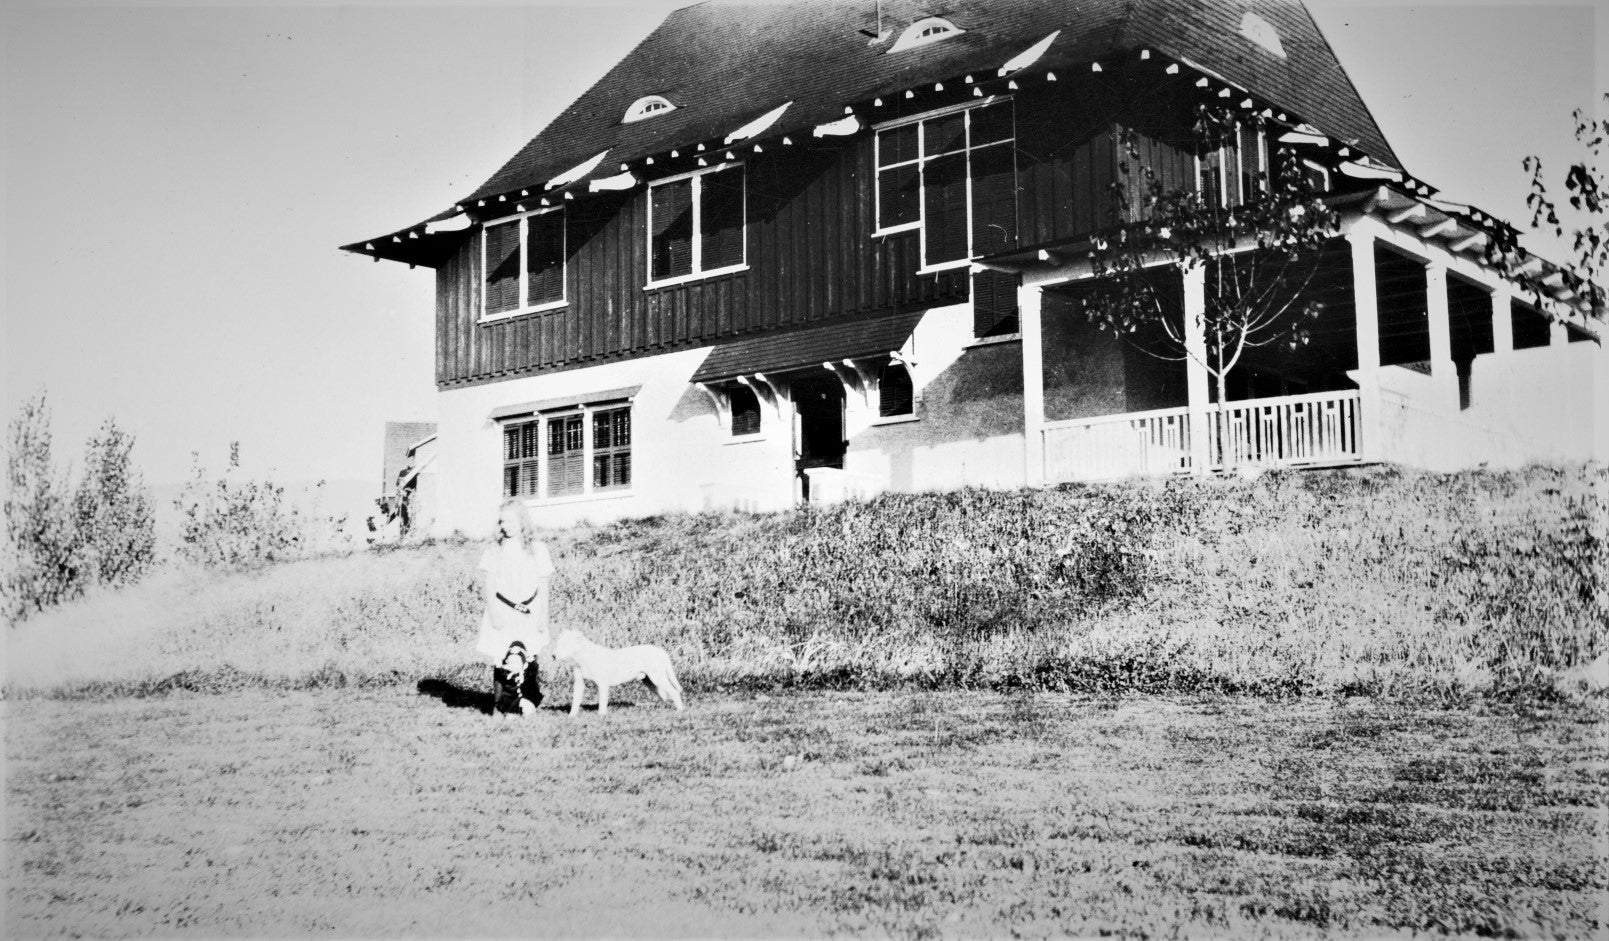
(238, 522)
(60, 539)
(112, 509)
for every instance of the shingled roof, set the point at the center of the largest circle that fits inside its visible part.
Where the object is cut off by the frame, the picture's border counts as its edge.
(726, 64)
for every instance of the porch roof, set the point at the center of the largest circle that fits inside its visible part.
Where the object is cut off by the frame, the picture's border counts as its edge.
(779, 352)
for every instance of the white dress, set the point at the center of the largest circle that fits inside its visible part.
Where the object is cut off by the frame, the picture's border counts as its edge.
(516, 575)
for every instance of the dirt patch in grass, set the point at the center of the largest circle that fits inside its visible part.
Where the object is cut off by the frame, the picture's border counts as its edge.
(407, 810)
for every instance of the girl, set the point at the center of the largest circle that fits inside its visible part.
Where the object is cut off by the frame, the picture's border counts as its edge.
(518, 571)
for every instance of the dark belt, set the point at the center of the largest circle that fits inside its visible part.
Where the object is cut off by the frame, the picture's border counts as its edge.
(523, 607)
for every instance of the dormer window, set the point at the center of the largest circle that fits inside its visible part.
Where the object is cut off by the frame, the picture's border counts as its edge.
(1261, 32)
(648, 106)
(924, 31)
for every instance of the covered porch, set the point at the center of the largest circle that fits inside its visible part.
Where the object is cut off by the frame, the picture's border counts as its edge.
(1424, 356)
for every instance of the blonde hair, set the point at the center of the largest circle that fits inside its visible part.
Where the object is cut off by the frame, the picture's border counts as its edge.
(522, 517)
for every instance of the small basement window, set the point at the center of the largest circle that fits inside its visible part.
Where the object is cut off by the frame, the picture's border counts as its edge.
(745, 411)
(895, 395)
(648, 106)
(1261, 32)
(925, 31)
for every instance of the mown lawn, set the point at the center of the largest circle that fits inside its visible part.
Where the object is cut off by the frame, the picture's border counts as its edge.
(965, 814)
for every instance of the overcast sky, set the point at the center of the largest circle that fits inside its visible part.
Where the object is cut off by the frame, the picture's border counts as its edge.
(174, 181)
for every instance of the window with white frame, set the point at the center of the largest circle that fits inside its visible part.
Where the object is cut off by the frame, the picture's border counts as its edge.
(927, 30)
(648, 106)
(523, 261)
(951, 175)
(547, 456)
(696, 224)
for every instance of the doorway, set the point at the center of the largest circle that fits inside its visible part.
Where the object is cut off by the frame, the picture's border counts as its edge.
(818, 430)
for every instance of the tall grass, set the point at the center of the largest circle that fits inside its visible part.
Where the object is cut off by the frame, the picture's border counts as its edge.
(1367, 580)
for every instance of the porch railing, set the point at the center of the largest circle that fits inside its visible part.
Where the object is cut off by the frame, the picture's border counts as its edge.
(1289, 431)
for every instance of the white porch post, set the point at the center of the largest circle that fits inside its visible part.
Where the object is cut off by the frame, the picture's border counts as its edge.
(1195, 369)
(1558, 334)
(1442, 371)
(1366, 302)
(1030, 322)
(1502, 321)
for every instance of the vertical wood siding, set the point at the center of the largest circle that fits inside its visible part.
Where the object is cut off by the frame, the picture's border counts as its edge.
(809, 244)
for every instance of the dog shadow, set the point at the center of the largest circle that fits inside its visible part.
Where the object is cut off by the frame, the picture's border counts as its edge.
(455, 696)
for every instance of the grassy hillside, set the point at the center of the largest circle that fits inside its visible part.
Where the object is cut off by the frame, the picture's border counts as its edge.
(1372, 580)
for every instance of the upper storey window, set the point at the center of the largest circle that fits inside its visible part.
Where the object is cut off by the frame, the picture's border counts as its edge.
(695, 224)
(925, 31)
(523, 258)
(952, 175)
(1261, 32)
(648, 106)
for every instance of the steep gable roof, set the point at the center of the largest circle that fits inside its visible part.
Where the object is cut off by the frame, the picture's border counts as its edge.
(724, 64)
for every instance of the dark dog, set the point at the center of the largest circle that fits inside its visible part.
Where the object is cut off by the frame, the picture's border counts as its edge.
(514, 682)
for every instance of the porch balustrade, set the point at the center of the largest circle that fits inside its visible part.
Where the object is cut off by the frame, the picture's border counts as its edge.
(1314, 430)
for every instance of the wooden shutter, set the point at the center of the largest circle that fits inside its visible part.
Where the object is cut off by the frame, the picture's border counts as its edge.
(745, 411)
(671, 242)
(544, 251)
(994, 200)
(899, 182)
(894, 392)
(994, 303)
(611, 449)
(721, 218)
(502, 268)
(565, 455)
(945, 193)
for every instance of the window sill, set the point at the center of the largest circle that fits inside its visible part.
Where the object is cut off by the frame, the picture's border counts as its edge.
(514, 314)
(695, 276)
(537, 503)
(744, 439)
(944, 266)
(895, 420)
(991, 341)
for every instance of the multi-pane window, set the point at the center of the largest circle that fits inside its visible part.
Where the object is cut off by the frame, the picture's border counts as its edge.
(611, 449)
(524, 263)
(953, 176)
(695, 224)
(522, 459)
(547, 456)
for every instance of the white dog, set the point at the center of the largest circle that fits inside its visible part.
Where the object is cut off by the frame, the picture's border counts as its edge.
(608, 667)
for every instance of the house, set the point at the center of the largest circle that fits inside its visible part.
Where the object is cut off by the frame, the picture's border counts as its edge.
(804, 252)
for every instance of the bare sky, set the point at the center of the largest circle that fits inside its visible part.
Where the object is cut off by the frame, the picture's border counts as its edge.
(174, 181)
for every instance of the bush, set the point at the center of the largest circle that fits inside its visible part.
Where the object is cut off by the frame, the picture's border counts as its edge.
(233, 522)
(46, 562)
(56, 545)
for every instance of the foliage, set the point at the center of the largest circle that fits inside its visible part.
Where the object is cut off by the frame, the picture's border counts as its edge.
(1586, 190)
(1257, 255)
(1365, 580)
(237, 522)
(46, 560)
(112, 509)
(61, 540)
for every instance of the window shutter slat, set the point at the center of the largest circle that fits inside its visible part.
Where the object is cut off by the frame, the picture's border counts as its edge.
(502, 268)
(894, 392)
(994, 200)
(672, 243)
(994, 303)
(722, 219)
(544, 248)
(946, 186)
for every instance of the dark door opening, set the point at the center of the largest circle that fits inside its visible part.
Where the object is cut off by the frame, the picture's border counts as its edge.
(819, 441)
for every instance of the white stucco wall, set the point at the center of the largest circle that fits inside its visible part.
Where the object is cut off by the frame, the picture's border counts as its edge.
(683, 460)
